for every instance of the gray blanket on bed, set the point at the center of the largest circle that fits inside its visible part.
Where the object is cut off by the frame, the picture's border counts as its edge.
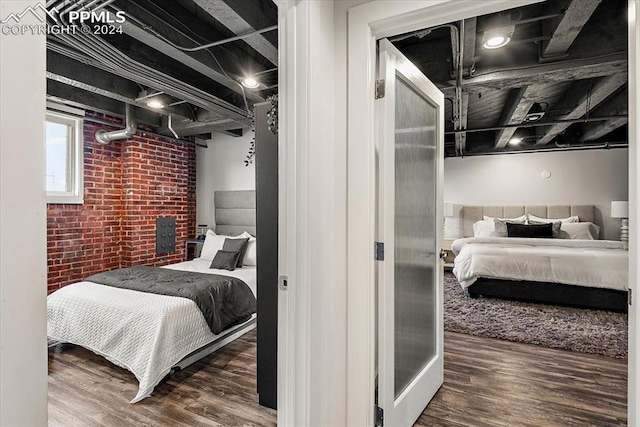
(223, 300)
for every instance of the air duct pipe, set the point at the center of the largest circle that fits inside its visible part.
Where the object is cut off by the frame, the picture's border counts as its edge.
(103, 137)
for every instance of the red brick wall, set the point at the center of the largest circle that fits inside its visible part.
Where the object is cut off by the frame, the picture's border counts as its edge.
(127, 185)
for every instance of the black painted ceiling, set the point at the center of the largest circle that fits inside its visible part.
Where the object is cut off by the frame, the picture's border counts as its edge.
(567, 61)
(153, 55)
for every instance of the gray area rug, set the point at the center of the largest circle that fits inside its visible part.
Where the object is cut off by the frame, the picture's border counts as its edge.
(576, 329)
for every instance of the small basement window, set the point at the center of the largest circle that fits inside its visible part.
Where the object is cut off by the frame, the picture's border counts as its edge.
(64, 158)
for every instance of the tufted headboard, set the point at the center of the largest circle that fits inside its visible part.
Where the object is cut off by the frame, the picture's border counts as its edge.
(235, 212)
(470, 214)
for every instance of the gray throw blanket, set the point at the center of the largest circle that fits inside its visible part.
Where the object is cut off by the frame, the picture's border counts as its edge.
(223, 300)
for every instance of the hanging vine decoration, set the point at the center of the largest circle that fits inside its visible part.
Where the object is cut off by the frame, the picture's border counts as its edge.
(272, 122)
(272, 114)
(252, 144)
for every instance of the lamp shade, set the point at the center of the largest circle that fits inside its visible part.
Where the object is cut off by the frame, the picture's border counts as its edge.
(619, 209)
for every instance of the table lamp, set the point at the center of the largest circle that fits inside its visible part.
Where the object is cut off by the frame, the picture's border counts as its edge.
(620, 209)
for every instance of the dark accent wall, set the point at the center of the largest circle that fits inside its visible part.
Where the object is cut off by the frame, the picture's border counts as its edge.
(267, 240)
(127, 185)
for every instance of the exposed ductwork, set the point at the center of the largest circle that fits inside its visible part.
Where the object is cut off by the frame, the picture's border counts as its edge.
(103, 137)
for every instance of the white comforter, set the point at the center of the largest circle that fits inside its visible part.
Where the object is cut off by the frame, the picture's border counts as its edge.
(142, 332)
(593, 263)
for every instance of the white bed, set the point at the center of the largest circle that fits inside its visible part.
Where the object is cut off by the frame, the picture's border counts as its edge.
(150, 334)
(146, 333)
(591, 263)
(572, 268)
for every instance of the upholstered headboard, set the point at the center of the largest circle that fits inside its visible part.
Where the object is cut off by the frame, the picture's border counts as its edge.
(235, 212)
(470, 214)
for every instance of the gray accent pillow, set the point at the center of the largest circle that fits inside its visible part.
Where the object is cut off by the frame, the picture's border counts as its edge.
(225, 260)
(236, 245)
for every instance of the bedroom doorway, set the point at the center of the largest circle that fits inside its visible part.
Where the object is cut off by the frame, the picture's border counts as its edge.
(368, 23)
(410, 329)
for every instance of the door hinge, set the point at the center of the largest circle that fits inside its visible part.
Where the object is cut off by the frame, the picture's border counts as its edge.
(629, 294)
(379, 88)
(379, 251)
(379, 416)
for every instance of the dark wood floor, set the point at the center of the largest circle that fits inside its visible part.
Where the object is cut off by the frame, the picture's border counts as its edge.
(218, 390)
(491, 382)
(488, 382)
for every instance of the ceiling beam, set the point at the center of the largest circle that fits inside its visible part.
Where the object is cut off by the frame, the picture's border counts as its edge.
(582, 97)
(93, 101)
(518, 104)
(532, 73)
(469, 51)
(202, 62)
(231, 19)
(86, 77)
(162, 82)
(617, 105)
(566, 28)
(188, 128)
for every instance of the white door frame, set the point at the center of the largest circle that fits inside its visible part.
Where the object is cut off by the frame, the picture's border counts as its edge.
(367, 23)
(633, 399)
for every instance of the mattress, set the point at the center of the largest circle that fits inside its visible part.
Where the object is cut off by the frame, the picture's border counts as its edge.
(143, 332)
(590, 263)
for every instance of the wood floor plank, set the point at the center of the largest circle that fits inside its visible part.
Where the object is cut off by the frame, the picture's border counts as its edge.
(218, 390)
(488, 382)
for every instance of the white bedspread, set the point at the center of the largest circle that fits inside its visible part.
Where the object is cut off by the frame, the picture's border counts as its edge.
(593, 263)
(142, 332)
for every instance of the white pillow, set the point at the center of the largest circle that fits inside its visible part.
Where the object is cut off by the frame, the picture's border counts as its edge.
(213, 243)
(573, 218)
(520, 218)
(579, 230)
(483, 229)
(250, 257)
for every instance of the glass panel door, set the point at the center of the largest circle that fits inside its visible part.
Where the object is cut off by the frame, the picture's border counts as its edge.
(410, 140)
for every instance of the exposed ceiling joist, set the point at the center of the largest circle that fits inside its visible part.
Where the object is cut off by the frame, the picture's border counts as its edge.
(200, 127)
(580, 101)
(66, 94)
(525, 75)
(85, 77)
(205, 122)
(201, 62)
(152, 78)
(516, 108)
(566, 28)
(231, 19)
(617, 105)
(469, 43)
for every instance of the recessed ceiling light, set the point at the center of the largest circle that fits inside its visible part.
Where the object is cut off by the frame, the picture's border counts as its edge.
(250, 82)
(154, 103)
(515, 141)
(494, 42)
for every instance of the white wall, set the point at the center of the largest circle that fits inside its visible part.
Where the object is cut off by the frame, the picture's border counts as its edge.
(221, 167)
(577, 177)
(23, 256)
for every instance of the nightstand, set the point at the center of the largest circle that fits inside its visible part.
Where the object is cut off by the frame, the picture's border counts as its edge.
(197, 248)
(449, 256)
